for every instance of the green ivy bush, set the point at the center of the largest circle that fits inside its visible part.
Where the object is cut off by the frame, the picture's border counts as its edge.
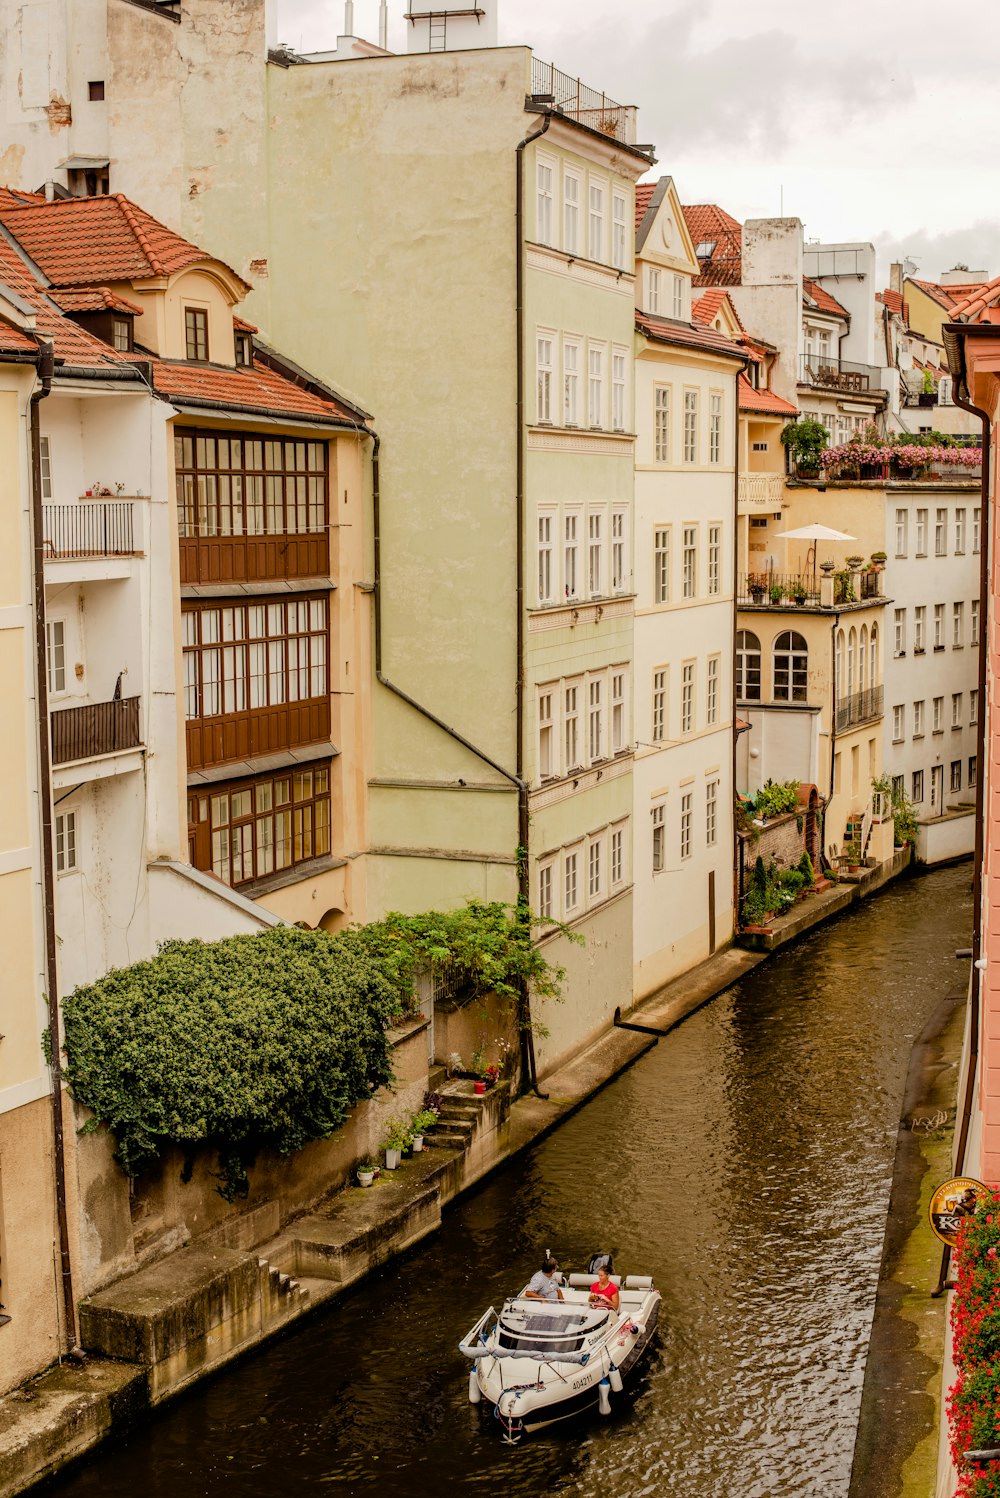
(776, 797)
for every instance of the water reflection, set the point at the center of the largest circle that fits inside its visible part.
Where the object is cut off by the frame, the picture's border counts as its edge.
(746, 1162)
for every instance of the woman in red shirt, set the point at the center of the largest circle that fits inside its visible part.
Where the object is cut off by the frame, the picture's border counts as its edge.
(604, 1290)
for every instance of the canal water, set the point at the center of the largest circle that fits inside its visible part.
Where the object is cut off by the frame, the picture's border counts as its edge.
(745, 1162)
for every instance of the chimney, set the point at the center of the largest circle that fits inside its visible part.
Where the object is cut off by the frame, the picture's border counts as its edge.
(348, 17)
(896, 277)
(50, 191)
(383, 25)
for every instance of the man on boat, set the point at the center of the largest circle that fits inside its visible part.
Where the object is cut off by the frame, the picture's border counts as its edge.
(543, 1285)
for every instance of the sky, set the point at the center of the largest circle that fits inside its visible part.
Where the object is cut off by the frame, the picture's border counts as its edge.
(869, 120)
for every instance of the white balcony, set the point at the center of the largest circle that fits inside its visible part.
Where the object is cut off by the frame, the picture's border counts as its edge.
(761, 493)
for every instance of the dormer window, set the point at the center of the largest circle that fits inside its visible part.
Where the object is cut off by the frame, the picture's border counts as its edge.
(121, 334)
(244, 350)
(196, 333)
(705, 248)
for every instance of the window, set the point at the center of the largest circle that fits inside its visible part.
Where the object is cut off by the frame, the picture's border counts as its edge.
(921, 533)
(65, 842)
(714, 558)
(595, 553)
(898, 724)
(957, 625)
(571, 893)
(661, 565)
(917, 786)
(617, 712)
(55, 655)
(571, 727)
(712, 692)
(244, 350)
(658, 816)
(919, 625)
(899, 636)
(243, 485)
(594, 871)
(661, 424)
(687, 697)
(956, 709)
(571, 382)
(959, 531)
(660, 705)
(678, 307)
(121, 334)
(196, 332)
(544, 224)
(571, 554)
(652, 289)
(596, 221)
(690, 426)
(596, 719)
(543, 402)
(250, 656)
(976, 518)
(974, 621)
(705, 248)
(689, 561)
(972, 775)
(918, 719)
(261, 826)
(974, 705)
(715, 428)
(748, 667)
(901, 518)
(546, 736)
(617, 856)
(939, 626)
(619, 572)
(545, 904)
(711, 813)
(45, 466)
(95, 91)
(956, 775)
(791, 668)
(686, 825)
(898, 787)
(618, 391)
(596, 386)
(545, 579)
(571, 213)
(619, 239)
(938, 715)
(941, 533)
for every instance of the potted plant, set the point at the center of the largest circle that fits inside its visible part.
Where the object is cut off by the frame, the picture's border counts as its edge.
(854, 564)
(419, 1124)
(878, 561)
(776, 592)
(853, 855)
(804, 441)
(397, 1137)
(928, 395)
(799, 593)
(367, 1172)
(758, 588)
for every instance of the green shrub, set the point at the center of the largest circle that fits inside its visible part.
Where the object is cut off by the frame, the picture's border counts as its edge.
(792, 880)
(805, 867)
(776, 797)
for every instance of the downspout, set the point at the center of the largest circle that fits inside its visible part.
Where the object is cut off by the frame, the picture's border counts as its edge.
(45, 364)
(833, 730)
(954, 345)
(738, 848)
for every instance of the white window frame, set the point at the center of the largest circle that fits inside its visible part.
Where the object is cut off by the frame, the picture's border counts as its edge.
(712, 691)
(547, 571)
(619, 376)
(678, 296)
(899, 632)
(714, 559)
(64, 831)
(941, 533)
(658, 819)
(687, 698)
(595, 720)
(921, 533)
(619, 229)
(596, 197)
(960, 531)
(544, 347)
(938, 715)
(974, 622)
(572, 572)
(619, 720)
(957, 626)
(619, 551)
(545, 176)
(715, 426)
(595, 553)
(977, 520)
(660, 704)
(546, 889)
(661, 564)
(974, 705)
(687, 798)
(616, 861)
(595, 384)
(956, 709)
(595, 869)
(918, 719)
(898, 723)
(572, 193)
(690, 451)
(661, 424)
(548, 767)
(939, 626)
(902, 526)
(55, 656)
(45, 466)
(571, 879)
(653, 282)
(572, 348)
(689, 562)
(572, 740)
(919, 628)
(711, 813)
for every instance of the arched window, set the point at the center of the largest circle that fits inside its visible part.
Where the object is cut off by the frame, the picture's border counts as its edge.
(747, 666)
(840, 664)
(852, 651)
(873, 673)
(791, 668)
(863, 659)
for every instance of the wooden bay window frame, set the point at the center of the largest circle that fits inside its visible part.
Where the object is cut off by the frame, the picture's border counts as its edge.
(251, 829)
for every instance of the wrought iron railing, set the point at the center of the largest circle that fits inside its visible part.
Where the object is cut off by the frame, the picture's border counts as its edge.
(836, 374)
(859, 707)
(94, 729)
(588, 105)
(777, 588)
(88, 530)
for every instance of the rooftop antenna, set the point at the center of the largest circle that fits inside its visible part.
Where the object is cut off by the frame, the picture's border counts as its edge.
(383, 25)
(348, 17)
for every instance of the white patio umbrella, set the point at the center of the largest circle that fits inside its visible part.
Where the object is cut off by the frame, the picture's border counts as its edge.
(814, 533)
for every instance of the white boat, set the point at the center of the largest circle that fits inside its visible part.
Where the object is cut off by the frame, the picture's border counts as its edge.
(535, 1362)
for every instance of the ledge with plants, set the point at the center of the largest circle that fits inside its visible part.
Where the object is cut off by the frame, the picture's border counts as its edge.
(772, 891)
(974, 1399)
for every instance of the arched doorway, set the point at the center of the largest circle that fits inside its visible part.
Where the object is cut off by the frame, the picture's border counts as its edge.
(812, 828)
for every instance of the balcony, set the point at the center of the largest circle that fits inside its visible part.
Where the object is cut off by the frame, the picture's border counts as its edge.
(777, 589)
(85, 531)
(859, 707)
(95, 730)
(761, 493)
(840, 375)
(578, 102)
(254, 558)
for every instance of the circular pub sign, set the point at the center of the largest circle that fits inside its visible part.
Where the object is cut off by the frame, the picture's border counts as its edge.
(952, 1203)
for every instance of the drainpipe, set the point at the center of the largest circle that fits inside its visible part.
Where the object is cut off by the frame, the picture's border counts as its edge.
(738, 849)
(954, 345)
(45, 368)
(514, 779)
(833, 731)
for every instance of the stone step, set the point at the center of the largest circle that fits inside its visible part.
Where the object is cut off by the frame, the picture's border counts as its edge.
(437, 1077)
(447, 1139)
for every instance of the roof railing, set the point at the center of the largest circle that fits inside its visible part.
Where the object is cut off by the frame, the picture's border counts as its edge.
(579, 102)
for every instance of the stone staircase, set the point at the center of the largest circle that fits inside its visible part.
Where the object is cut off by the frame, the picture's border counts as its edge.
(459, 1118)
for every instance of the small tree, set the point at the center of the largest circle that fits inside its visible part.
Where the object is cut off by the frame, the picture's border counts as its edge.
(805, 440)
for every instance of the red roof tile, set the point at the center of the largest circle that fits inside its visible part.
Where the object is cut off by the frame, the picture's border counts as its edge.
(643, 197)
(93, 299)
(935, 292)
(709, 224)
(763, 402)
(822, 298)
(707, 307)
(83, 241)
(979, 305)
(892, 299)
(242, 326)
(259, 388)
(14, 340)
(665, 330)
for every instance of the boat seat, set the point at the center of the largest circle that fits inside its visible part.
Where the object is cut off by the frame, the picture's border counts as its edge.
(584, 1281)
(638, 1282)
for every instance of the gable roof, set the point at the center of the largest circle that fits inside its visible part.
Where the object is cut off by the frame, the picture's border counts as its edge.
(980, 305)
(94, 299)
(707, 307)
(821, 298)
(763, 402)
(709, 224)
(643, 197)
(87, 241)
(892, 299)
(668, 330)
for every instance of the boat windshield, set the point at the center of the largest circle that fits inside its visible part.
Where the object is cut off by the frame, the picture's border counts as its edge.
(541, 1332)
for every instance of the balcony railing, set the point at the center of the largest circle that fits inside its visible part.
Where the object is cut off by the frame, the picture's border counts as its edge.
(777, 588)
(103, 529)
(859, 707)
(96, 728)
(836, 374)
(761, 491)
(578, 102)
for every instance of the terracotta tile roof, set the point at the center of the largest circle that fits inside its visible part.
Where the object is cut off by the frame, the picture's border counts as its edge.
(93, 299)
(935, 292)
(821, 297)
(242, 326)
(706, 309)
(15, 340)
(979, 305)
(643, 197)
(764, 402)
(259, 387)
(83, 241)
(709, 224)
(665, 330)
(892, 299)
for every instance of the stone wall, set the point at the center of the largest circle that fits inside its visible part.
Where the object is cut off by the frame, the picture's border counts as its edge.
(782, 839)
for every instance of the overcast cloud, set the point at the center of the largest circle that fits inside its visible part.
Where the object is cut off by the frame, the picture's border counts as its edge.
(867, 119)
